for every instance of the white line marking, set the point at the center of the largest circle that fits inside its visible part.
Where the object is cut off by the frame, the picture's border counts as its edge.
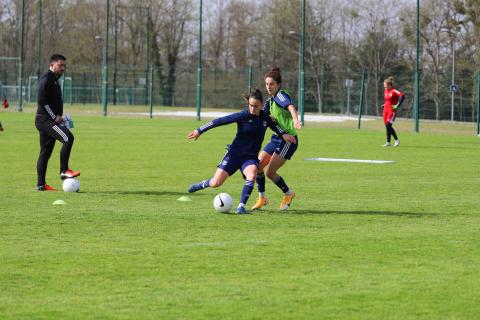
(221, 243)
(349, 160)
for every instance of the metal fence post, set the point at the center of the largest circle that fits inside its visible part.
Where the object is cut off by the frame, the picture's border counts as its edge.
(150, 91)
(416, 105)
(199, 66)
(360, 107)
(105, 60)
(21, 56)
(39, 38)
(478, 103)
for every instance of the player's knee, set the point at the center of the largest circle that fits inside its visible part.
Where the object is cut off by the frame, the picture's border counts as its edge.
(263, 163)
(68, 138)
(215, 183)
(44, 154)
(251, 176)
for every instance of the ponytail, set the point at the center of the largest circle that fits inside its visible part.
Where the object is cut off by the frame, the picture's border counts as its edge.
(274, 73)
(255, 94)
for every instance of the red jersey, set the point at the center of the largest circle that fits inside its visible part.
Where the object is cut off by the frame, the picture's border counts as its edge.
(391, 97)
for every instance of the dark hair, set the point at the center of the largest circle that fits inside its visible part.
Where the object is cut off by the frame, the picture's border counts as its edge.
(255, 94)
(274, 73)
(56, 57)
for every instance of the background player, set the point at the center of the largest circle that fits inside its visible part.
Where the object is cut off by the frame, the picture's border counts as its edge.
(280, 107)
(242, 153)
(5, 104)
(50, 123)
(392, 100)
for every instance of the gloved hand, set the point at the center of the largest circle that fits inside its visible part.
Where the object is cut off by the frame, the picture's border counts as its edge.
(395, 106)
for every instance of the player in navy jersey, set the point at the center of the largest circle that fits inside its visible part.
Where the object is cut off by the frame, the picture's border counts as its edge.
(252, 122)
(281, 109)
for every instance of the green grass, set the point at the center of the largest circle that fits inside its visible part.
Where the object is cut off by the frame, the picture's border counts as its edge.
(362, 241)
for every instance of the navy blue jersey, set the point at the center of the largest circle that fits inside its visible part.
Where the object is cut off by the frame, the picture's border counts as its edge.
(250, 131)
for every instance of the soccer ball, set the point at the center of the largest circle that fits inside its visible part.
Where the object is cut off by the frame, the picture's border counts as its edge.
(71, 185)
(223, 202)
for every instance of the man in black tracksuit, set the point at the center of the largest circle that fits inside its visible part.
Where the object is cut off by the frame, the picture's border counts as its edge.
(50, 123)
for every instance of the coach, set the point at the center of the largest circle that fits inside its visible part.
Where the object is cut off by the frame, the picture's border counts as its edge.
(50, 123)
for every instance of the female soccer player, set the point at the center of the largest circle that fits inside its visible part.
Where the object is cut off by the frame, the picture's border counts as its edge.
(242, 153)
(393, 99)
(280, 107)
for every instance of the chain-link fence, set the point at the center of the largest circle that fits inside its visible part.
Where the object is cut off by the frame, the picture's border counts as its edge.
(327, 92)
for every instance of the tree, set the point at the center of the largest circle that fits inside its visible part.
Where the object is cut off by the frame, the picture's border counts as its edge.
(468, 13)
(378, 49)
(438, 30)
(171, 32)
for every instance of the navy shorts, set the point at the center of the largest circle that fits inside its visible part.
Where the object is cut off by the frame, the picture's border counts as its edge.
(280, 147)
(231, 163)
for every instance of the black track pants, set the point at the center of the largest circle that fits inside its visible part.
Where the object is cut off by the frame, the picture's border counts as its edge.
(50, 132)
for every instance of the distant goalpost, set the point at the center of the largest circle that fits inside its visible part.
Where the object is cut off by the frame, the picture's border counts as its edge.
(8, 77)
(66, 83)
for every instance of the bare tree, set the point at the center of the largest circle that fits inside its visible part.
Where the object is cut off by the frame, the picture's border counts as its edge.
(176, 14)
(468, 16)
(437, 32)
(378, 48)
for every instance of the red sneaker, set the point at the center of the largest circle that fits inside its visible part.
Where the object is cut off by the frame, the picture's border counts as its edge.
(46, 187)
(69, 174)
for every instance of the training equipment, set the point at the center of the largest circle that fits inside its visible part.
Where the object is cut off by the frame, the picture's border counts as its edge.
(349, 160)
(184, 199)
(223, 202)
(71, 185)
(68, 121)
(59, 202)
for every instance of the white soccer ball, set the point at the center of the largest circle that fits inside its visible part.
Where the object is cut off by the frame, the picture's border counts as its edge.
(223, 202)
(71, 185)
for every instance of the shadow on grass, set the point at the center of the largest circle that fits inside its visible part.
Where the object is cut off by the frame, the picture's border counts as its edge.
(363, 212)
(141, 192)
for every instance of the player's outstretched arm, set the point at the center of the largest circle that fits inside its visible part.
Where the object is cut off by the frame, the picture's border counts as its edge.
(293, 111)
(193, 135)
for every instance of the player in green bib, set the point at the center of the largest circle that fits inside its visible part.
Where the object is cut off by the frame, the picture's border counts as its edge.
(280, 107)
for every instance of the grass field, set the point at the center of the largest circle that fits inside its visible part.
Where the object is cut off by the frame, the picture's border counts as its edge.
(362, 241)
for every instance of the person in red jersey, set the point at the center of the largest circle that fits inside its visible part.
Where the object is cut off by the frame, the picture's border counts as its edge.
(393, 98)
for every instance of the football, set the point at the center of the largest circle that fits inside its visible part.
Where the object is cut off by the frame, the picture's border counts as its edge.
(223, 202)
(71, 185)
